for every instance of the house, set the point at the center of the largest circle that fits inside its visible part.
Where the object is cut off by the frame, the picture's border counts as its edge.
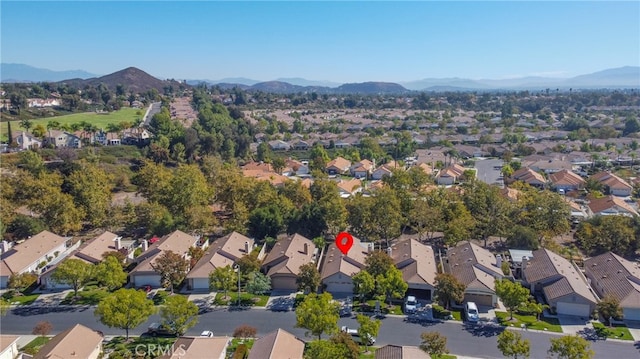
(381, 172)
(76, 342)
(611, 205)
(477, 269)
(144, 273)
(417, 262)
(428, 170)
(60, 139)
(93, 250)
(296, 168)
(135, 136)
(301, 145)
(278, 344)
(338, 268)
(530, 177)
(361, 169)
(566, 180)
(107, 138)
(9, 346)
(612, 275)
(338, 166)
(198, 347)
(26, 141)
(510, 194)
(279, 145)
(564, 287)
(275, 179)
(32, 255)
(221, 253)
(391, 351)
(349, 188)
(613, 184)
(450, 175)
(283, 262)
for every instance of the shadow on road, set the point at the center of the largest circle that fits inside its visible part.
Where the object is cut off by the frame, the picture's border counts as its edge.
(592, 334)
(483, 330)
(38, 310)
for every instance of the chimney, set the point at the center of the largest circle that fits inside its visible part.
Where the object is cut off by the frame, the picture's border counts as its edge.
(370, 248)
(389, 251)
(246, 247)
(145, 245)
(525, 260)
(306, 248)
(499, 260)
(4, 246)
(118, 243)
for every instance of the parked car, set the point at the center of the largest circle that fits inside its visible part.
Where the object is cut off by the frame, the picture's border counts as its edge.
(206, 333)
(158, 329)
(410, 304)
(471, 312)
(354, 333)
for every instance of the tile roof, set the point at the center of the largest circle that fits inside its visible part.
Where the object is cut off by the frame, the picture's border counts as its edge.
(340, 163)
(612, 204)
(615, 276)
(566, 177)
(18, 258)
(390, 351)
(76, 342)
(93, 249)
(455, 170)
(611, 180)
(278, 344)
(511, 194)
(529, 176)
(198, 348)
(288, 254)
(473, 265)
(350, 264)
(177, 242)
(416, 261)
(350, 185)
(222, 252)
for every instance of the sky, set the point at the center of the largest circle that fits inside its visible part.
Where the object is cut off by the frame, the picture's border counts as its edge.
(329, 40)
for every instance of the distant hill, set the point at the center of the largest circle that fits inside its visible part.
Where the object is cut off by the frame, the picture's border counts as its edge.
(276, 86)
(372, 88)
(308, 83)
(26, 73)
(227, 81)
(133, 80)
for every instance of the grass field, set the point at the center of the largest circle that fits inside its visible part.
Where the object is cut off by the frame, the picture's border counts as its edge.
(549, 324)
(615, 332)
(100, 120)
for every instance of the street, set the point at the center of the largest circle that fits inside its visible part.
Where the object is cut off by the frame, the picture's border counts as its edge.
(478, 341)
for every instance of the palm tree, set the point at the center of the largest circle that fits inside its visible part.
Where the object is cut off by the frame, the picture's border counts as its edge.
(26, 124)
(52, 125)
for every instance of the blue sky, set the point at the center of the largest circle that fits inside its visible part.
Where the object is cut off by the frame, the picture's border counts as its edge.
(331, 41)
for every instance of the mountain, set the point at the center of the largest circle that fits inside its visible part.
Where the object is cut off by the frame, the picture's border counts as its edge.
(372, 88)
(306, 83)
(133, 79)
(628, 76)
(26, 73)
(229, 80)
(276, 86)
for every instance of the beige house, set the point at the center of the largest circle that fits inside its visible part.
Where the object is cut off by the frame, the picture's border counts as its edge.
(612, 275)
(283, 263)
(338, 166)
(93, 250)
(566, 180)
(614, 184)
(390, 351)
(611, 205)
(26, 141)
(198, 348)
(77, 342)
(564, 287)
(338, 269)
(9, 346)
(349, 188)
(450, 175)
(278, 344)
(60, 139)
(417, 262)
(144, 273)
(221, 253)
(530, 177)
(477, 269)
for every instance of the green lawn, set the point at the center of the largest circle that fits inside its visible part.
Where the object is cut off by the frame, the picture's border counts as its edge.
(34, 346)
(618, 331)
(100, 120)
(370, 305)
(246, 299)
(550, 324)
(90, 296)
(123, 348)
(23, 299)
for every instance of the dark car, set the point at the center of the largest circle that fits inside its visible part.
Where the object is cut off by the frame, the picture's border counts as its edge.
(157, 329)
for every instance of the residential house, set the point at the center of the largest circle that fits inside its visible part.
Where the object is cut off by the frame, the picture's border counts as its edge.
(450, 175)
(477, 269)
(198, 348)
(60, 139)
(381, 172)
(431, 156)
(511, 194)
(578, 211)
(279, 145)
(361, 169)
(136, 136)
(566, 180)
(391, 351)
(530, 177)
(301, 145)
(39, 102)
(107, 138)
(278, 344)
(338, 268)
(283, 262)
(26, 141)
(275, 179)
(613, 184)
(349, 188)
(564, 287)
(221, 253)
(257, 166)
(611, 205)
(32, 255)
(9, 346)
(417, 262)
(427, 169)
(144, 273)
(612, 275)
(296, 168)
(76, 342)
(550, 166)
(338, 166)
(466, 151)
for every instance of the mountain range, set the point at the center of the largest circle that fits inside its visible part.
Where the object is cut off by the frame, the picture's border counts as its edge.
(138, 80)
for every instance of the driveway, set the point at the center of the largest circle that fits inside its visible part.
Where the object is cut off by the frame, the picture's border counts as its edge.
(281, 301)
(51, 298)
(573, 325)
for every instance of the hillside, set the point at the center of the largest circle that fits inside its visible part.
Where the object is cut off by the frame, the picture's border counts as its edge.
(26, 73)
(133, 79)
(372, 88)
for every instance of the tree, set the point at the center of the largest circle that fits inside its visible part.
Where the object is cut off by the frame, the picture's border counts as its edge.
(4, 306)
(608, 308)
(42, 328)
(20, 282)
(369, 328)
(392, 284)
(179, 314)
(245, 331)
(434, 343)
(249, 264)
(223, 278)
(172, 268)
(266, 221)
(309, 278)
(91, 189)
(488, 207)
(319, 314)
(512, 294)
(340, 345)
(125, 309)
(512, 345)
(110, 273)
(448, 289)
(258, 283)
(73, 272)
(363, 284)
(26, 124)
(571, 347)
(523, 238)
(378, 263)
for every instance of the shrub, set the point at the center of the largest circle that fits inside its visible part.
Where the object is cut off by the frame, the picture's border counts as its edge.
(245, 331)
(241, 352)
(160, 297)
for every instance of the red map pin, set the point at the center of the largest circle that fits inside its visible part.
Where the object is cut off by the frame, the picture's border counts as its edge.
(344, 241)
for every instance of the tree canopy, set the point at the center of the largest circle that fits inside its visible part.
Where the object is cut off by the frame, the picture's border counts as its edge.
(125, 309)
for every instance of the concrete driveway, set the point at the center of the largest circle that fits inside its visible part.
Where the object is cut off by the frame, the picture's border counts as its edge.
(573, 325)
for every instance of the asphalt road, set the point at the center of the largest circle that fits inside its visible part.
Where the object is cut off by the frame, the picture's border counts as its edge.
(486, 171)
(477, 342)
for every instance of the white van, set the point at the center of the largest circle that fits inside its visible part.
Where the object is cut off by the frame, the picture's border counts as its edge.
(471, 312)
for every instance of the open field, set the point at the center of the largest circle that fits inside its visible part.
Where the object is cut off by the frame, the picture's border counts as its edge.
(98, 119)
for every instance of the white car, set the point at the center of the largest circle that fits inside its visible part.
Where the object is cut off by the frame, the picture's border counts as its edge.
(356, 336)
(206, 333)
(410, 304)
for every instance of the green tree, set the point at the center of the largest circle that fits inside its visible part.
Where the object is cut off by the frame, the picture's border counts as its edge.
(110, 273)
(340, 345)
(490, 210)
(308, 278)
(223, 278)
(26, 124)
(378, 263)
(22, 227)
(368, 328)
(571, 347)
(4, 306)
(609, 307)
(73, 272)
(523, 238)
(258, 283)
(266, 222)
(91, 189)
(363, 284)
(125, 309)
(249, 264)
(172, 268)
(512, 294)
(179, 314)
(448, 289)
(32, 162)
(425, 218)
(607, 233)
(386, 215)
(319, 314)
(512, 345)
(263, 152)
(20, 282)
(434, 344)
(392, 284)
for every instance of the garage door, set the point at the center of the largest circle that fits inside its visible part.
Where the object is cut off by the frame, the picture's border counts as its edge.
(479, 299)
(576, 309)
(339, 287)
(152, 280)
(283, 283)
(631, 314)
(201, 284)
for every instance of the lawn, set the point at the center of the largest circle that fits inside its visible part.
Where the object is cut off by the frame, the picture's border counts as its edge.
(549, 324)
(246, 299)
(98, 119)
(618, 331)
(88, 296)
(370, 306)
(22, 299)
(138, 345)
(34, 346)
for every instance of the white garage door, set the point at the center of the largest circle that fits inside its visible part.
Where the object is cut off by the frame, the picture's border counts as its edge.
(339, 287)
(576, 309)
(201, 284)
(152, 280)
(631, 314)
